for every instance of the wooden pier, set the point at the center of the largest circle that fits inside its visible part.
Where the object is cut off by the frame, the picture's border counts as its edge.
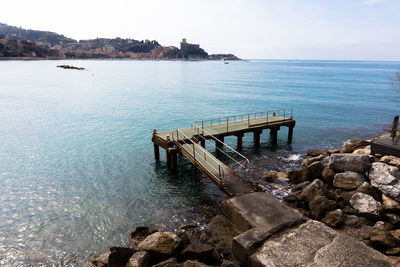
(191, 143)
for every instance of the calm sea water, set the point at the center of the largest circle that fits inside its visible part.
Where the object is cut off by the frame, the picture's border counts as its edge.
(77, 172)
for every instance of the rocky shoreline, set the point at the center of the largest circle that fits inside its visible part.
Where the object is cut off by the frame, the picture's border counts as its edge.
(348, 189)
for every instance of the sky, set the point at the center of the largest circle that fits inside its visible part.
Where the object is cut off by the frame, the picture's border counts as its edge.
(252, 29)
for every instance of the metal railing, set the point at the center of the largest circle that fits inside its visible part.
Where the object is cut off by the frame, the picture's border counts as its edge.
(286, 114)
(242, 164)
(207, 160)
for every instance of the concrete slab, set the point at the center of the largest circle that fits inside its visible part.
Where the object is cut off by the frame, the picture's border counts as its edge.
(315, 244)
(259, 210)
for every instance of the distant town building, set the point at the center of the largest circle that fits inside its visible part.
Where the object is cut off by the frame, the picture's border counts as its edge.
(108, 48)
(186, 46)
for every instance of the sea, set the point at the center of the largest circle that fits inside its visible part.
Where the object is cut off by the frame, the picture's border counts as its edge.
(77, 169)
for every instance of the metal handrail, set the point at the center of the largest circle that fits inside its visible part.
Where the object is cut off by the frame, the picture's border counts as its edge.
(220, 171)
(233, 150)
(244, 117)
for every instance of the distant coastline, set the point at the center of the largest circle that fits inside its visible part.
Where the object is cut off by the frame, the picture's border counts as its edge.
(21, 44)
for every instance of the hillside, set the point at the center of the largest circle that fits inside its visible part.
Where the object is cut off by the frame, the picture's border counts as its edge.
(18, 42)
(12, 32)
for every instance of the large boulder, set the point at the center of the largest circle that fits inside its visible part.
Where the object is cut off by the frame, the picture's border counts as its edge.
(297, 176)
(190, 263)
(328, 175)
(101, 260)
(389, 204)
(333, 218)
(315, 244)
(269, 176)
(139, 234)
(260, 210)
(119, 256)
(368, 189)
(391, 160)
(139, 259)
(318, 152)
(348, 180)
(350, 145)
(219, 233)
(320, 205)
(382, 238)
(160, 243)
(201, 252)
(365, 205)
(309, 160)
(349, 162)
(363, 151)
(386, 178)
(314, 170)
(311, 191)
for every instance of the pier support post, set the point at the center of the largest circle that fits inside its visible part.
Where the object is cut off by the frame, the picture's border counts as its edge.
(257, 138)
(239, 142)
(156, 152)
(156, 147)
(274, 135)
(174, 159)
(203, 142)
(218, 145)
(290, 134)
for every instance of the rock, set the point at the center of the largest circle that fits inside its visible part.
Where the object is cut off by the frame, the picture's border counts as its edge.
(269, 176)
(325, 162)
(318, 152)
(390, 217)
(389, 204)
(350, 145)
(290, 200)
(282, 175)
(297, 176)
(366, 188)
(246, 243)
(309, 160)
(314, 170)
(353, 220)
(396, 234)
(315, 244)
(320, 205)
(386, 179)
(382, 238)
(328, 175)
(348, 180)
(333, 218)
(392, 160)
(311, 191)
(228, 263)
(393, 251)
(139, 259)
(163, 243)
(300, 186)
(168, 263)
(363, 151)
(119, 256)
(190, 263)
(202, 252)
(344, 195)
(365, 205)
(383, 225)
(101, 261)
(139, 234)
(349, 162)
(259, 209)
(188, 233)
(349, 210)
(219, 232)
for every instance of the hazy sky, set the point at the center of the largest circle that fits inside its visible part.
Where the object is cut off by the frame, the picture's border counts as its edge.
(273, 29)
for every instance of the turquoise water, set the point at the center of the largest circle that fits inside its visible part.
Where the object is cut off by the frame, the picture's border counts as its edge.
(77, 172)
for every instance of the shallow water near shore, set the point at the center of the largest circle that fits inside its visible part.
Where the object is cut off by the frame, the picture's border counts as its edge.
(77, 173)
